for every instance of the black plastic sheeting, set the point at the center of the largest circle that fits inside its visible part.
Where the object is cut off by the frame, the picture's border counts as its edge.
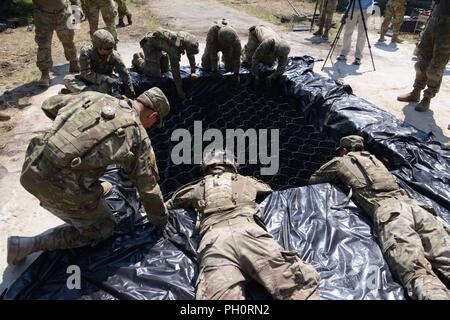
(312, 113)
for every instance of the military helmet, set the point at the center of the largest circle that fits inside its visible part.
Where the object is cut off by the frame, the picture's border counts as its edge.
(219, 157)
(103, 39)
(352, 142)
(190, 43)
(155, 99)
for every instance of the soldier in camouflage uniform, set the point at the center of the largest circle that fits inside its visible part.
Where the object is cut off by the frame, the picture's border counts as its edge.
(233, 247)
(433, 54)
(265, 46)
(161, 46)
(49, 16)
(222, 37)
(62, 166)
(412, 239)
(122, 10)
(92, 9)
(98, 62)
(395, 12)
(327, 9)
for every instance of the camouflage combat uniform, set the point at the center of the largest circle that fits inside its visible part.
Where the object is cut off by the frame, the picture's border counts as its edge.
(95, 71)
(49, 16)
(327, 10)
(265, 46)
(163, 45)
(222, 37)
(395, 12)
(122, 8)
(234, 249)
(434, 51)
(412, 239)
(62, 166)
(92, 9)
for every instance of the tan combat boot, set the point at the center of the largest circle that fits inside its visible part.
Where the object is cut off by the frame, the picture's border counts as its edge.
(74, 66)
(424, 105)
(45, 79)
(19, 248)
(396, 39)
(4, 116)
(413, 96)
(319, 32)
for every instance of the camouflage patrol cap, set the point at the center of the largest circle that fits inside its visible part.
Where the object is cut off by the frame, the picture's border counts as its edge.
(103, 39)
(156, 100)
(352, 142)
(219, 157)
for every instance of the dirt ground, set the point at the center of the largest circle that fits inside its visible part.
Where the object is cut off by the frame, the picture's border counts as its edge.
(20, 213)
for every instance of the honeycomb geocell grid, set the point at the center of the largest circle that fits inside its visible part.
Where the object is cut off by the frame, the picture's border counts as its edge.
(302, 149)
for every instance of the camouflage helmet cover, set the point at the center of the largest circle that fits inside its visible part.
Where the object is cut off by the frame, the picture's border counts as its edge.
(190, 43)
(219, 157)
(102, 39)
(155, 99)
(352, 142)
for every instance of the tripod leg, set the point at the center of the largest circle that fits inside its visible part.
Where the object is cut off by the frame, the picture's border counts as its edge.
(333, 45)
(314, 16)
(367, 34)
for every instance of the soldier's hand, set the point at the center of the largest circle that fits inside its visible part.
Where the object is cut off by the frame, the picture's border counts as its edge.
(194, 76)
(111, 81)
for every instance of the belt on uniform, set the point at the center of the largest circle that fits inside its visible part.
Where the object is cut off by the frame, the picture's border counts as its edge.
(49, 11)
(231, 222)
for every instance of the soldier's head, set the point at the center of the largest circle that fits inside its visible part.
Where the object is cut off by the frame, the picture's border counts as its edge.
(351, 143)
(103, 42)
(281, 48)
(153, 107)
(190, 44)
(219, 159)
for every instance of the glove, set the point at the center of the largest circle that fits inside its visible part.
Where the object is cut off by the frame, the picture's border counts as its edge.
(111, 81)
(194, 76)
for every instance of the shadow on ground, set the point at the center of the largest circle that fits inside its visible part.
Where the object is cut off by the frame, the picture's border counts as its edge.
(418, 119)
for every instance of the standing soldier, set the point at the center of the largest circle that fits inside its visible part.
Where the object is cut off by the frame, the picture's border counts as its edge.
(106, 7)
(233, 247)
(122, 10)
(222, 37)
(412, 239)
(265, 46)
(161, 46)
(91, 131)
(49, 16)
(98, 62)
(433, 54)
(327, 10)
(395, 12)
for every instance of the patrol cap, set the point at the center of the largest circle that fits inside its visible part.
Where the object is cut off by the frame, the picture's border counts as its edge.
(352, 142)
(156, 100)
(219, 157)
(103, 39)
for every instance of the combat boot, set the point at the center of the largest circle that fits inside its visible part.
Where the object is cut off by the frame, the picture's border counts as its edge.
(325, 35)
(396, 39)
(19, 248)
(121, 24)
(129, 16)
(424, 105)
(4, 116)
(382, 38)
(45, 79)
(318, 32)
(74, 66)
(413, 96)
